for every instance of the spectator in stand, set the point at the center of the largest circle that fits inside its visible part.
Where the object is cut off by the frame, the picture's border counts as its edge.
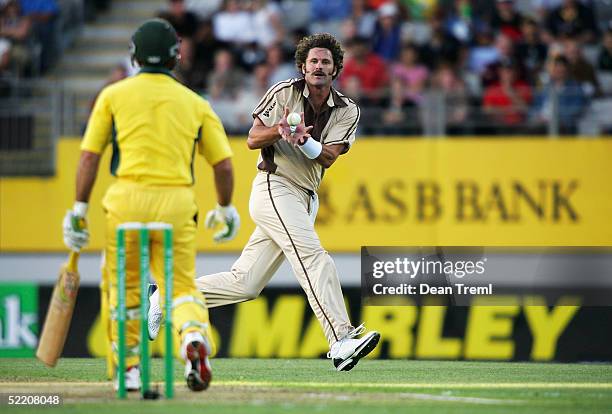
(348, 31)
(604, 60)
(504, 51)
(572, 18)
(43, 14)
(226, 80)
(445, 80)
(364, 76)
(504, 46)
(580, 69)
(233, 24)
(375, 4)
(363, 19)
(480, 11)
(394, 115)
(418, 10)
(279, 68)
(39, 10)
(184, 21)
(543, 8)
(204, 9)
(205, 47)
(410, 75)
(507, 20)
(267, 23)
(16, 30)
(531, 52)
(5, 55)
(442, 45)
(387, 33)
(400, 117)
(236, 113)
(257, 86)
(249, 55)
(335, 10)
(184, 68)
(239, 24)
(570, 99)
(326, 16)
(459, 20)
(507, 101)
(484, 52)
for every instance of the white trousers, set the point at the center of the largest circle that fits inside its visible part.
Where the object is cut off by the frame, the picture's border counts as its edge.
(284, 215)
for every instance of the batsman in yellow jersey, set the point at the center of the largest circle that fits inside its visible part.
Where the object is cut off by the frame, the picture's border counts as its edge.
(155, 125)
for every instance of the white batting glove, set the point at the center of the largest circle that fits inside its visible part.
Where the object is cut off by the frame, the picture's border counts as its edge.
(228, 217)
(76, 235)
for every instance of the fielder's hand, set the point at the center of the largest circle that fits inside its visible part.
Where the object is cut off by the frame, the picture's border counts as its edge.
(294, 138)
(76, 235)
(228, 217)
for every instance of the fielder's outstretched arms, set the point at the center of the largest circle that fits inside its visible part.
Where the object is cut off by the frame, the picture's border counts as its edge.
(284, 201)
(154, 126)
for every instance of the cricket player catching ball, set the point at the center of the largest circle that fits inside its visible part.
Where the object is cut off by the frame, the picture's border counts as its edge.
(284, 200)
(154, 125)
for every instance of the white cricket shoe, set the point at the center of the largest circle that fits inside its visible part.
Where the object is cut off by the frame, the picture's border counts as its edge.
(132, 379)
(346, 352)
(155, 315)
(195, 351)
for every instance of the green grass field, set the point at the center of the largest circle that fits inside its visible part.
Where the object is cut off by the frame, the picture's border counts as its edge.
(312, 386)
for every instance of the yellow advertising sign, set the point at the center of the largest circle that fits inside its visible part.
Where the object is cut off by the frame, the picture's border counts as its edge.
(514, 191)
(259, 330)
(469, 192)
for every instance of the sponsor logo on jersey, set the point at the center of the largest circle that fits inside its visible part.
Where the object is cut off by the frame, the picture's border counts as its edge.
(267, 111)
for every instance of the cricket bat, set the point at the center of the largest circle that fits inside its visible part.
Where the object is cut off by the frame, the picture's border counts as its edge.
(59, 314)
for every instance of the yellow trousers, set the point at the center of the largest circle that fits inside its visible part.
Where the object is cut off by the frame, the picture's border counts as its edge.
(127, 201)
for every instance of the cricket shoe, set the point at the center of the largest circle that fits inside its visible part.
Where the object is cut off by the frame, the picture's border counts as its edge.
(195, 351)
(132, 379)
(155, 313)
(346, 352)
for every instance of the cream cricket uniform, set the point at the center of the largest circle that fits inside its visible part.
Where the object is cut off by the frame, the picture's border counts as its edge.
(154, 125)
(284, 205)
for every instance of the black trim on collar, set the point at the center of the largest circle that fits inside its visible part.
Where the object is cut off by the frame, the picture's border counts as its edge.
(337, 99)
(300, 84)
(156, 69)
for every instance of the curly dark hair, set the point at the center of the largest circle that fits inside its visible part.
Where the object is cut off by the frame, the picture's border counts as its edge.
(322, 40)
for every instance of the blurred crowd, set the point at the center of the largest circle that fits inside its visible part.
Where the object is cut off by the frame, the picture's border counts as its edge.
(476, 66)
(34, 33)
(489, 65)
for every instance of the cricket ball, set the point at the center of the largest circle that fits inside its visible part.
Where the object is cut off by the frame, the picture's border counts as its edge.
(294, 119)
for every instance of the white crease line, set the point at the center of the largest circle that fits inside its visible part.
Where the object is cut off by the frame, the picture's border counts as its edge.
(414, 396)
(465, 385)
(448, 398)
